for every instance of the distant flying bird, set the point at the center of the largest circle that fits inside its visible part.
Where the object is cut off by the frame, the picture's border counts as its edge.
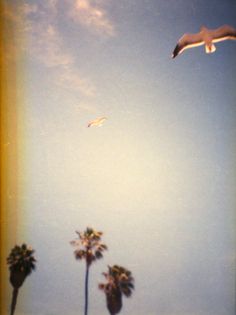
(97, 122)
(205, 37)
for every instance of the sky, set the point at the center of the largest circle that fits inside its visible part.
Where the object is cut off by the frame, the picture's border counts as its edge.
(157, 178)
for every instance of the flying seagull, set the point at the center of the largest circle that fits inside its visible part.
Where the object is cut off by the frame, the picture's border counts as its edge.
(97, 122)
(205, 37)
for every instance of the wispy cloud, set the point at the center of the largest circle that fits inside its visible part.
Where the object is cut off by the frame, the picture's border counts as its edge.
(38, 24)
(47, 45)
(14, 42)
(86, 107)
(93, 15)
(29, 8)
(71, 79)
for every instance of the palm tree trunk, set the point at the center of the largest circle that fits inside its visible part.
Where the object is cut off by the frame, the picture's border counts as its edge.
(13, 301)
(114, 301)
(86, 290)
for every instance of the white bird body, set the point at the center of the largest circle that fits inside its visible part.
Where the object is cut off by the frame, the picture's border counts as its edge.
(97, 122)
(205, 37)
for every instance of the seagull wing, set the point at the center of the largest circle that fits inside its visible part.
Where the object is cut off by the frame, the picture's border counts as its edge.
(97, 122)
(90, 124)
(222, 33)
(93, 123)
(101, 120)
(187, 41)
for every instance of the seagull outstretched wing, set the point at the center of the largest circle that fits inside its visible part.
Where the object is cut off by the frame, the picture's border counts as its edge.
(223, 33)
(187, 41)
(97, 122)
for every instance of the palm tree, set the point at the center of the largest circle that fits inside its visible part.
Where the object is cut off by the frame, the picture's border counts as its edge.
(21, 263)
(88, 247)
(119, 282)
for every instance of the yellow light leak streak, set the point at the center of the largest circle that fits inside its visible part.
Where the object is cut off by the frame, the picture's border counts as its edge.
(9, 162)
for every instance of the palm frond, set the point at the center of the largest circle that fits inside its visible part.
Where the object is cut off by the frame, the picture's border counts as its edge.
(88, 245)
(120, 278)
(21, 259)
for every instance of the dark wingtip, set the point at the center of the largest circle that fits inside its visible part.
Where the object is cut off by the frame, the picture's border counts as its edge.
(175, 52)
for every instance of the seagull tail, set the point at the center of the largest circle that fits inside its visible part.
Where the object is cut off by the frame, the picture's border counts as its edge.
(210, 48)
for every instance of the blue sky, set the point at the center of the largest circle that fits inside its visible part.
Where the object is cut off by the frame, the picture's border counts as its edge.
(157, 178)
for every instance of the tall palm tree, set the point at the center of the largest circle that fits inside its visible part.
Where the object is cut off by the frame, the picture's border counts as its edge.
(88, 247)
(119, 283)
(21, 263)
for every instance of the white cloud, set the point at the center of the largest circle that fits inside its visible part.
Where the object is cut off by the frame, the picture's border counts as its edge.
(71, 79)
(29, 8)
(93, 15)
(86, 107)
(47, 45)
(52, 3)
(37, 24)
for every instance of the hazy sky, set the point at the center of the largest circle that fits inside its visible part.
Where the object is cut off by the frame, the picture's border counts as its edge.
(157, 178)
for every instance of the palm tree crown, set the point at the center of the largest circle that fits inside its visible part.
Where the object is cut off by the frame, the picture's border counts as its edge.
(119, 282)
(20, 261)
(88, 245)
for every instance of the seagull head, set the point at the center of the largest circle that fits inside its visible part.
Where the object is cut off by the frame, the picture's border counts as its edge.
(203, 28)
